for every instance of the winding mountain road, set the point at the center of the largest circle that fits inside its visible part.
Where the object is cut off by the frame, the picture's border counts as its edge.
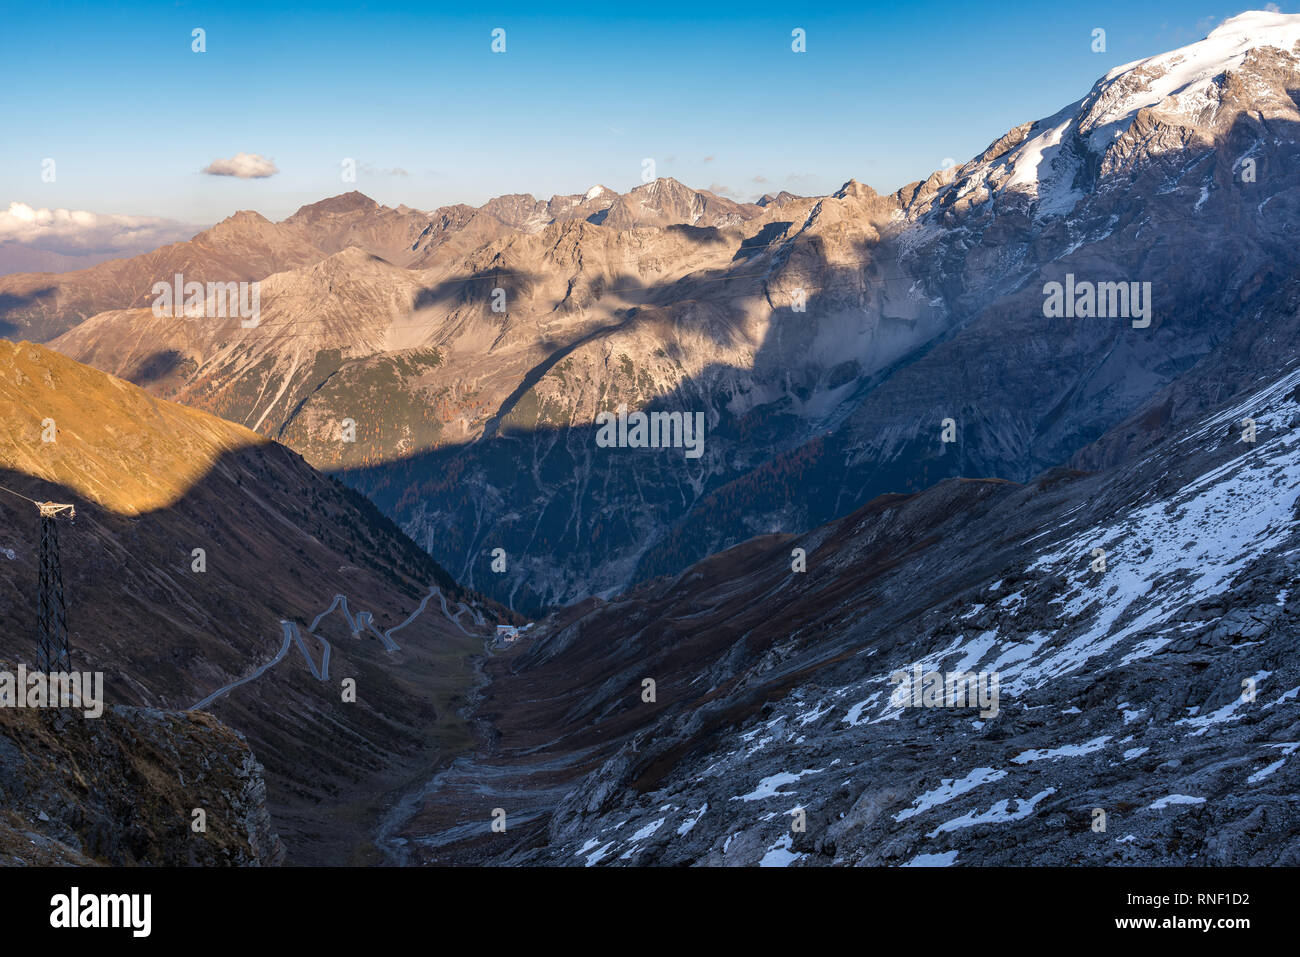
(387, 636)
(455, 619)
(364, 620)
(291, 634)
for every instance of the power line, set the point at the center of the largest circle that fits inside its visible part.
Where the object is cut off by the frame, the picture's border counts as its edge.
(19, 494)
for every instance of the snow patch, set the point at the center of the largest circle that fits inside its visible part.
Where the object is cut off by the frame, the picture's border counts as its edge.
(1172, 799)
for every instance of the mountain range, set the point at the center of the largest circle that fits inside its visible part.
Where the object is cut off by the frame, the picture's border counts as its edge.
(825, 339)
(925, 412)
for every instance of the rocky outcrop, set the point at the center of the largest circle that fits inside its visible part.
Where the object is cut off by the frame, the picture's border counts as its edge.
(124, 789)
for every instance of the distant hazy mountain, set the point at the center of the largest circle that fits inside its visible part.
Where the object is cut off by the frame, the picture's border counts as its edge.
(244, 247)
(15, 257)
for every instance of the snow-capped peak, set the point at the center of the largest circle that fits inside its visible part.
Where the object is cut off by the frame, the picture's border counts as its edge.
(1044, 166)
(595, 191)
(1226, 44)
(1145, 83)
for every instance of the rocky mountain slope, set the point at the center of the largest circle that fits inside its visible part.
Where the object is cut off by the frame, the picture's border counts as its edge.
(243, 248)
(829, 342)
(246, 246)
(1144, 711)
(196, 545)
(123, 788)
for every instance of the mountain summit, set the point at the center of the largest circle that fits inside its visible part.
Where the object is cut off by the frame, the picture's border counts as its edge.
(823, 338)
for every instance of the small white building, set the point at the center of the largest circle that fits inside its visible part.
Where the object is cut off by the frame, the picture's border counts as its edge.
(507, 633)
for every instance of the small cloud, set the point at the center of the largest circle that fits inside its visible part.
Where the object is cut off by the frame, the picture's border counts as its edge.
(372, 171)
(723, 190)
(1206, 24)
(1272, 8)
(242, 166)
(708, 159)
(761, 180)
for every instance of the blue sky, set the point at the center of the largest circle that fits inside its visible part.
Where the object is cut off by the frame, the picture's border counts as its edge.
(713, 92)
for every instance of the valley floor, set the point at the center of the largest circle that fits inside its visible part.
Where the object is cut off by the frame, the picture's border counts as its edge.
(1148, 710)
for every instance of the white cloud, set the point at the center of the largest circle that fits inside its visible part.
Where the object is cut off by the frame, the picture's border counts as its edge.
(243, 166)
(79, 232)
(373, 171)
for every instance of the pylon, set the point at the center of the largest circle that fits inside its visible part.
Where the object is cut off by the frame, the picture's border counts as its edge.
(51, 612)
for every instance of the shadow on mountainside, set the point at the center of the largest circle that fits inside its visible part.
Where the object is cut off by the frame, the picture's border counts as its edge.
(1025, 392)
(279, 542)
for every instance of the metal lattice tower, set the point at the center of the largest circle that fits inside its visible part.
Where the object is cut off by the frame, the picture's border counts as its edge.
(51, 612)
